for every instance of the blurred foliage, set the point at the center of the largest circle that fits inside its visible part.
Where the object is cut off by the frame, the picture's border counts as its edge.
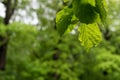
(41, 54)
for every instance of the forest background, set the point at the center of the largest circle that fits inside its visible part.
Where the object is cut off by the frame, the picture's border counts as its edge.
(35, 51)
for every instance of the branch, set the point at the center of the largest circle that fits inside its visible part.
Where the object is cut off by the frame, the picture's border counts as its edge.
(9, 10)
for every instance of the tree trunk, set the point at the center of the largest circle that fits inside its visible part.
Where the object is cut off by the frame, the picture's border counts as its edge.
(3, 51)
(3, 48)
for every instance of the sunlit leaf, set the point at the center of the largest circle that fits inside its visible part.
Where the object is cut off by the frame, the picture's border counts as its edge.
(63, 20)
(100, 7)
(90, 35)
(66, 1)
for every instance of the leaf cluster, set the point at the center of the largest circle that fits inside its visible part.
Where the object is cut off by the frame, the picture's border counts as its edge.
(86, 13)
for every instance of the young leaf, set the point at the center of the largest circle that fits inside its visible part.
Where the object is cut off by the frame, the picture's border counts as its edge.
(85, 11)
(100, 8)
(90, 35)
(65, 1)
(73, 24)
(63, 20)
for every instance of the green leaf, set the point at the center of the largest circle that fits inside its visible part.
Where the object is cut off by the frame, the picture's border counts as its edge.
(70, 28)
(63, 20)
(85, 11)
(90, 35)
(73, 24)
(65, 1)
(100, 8)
